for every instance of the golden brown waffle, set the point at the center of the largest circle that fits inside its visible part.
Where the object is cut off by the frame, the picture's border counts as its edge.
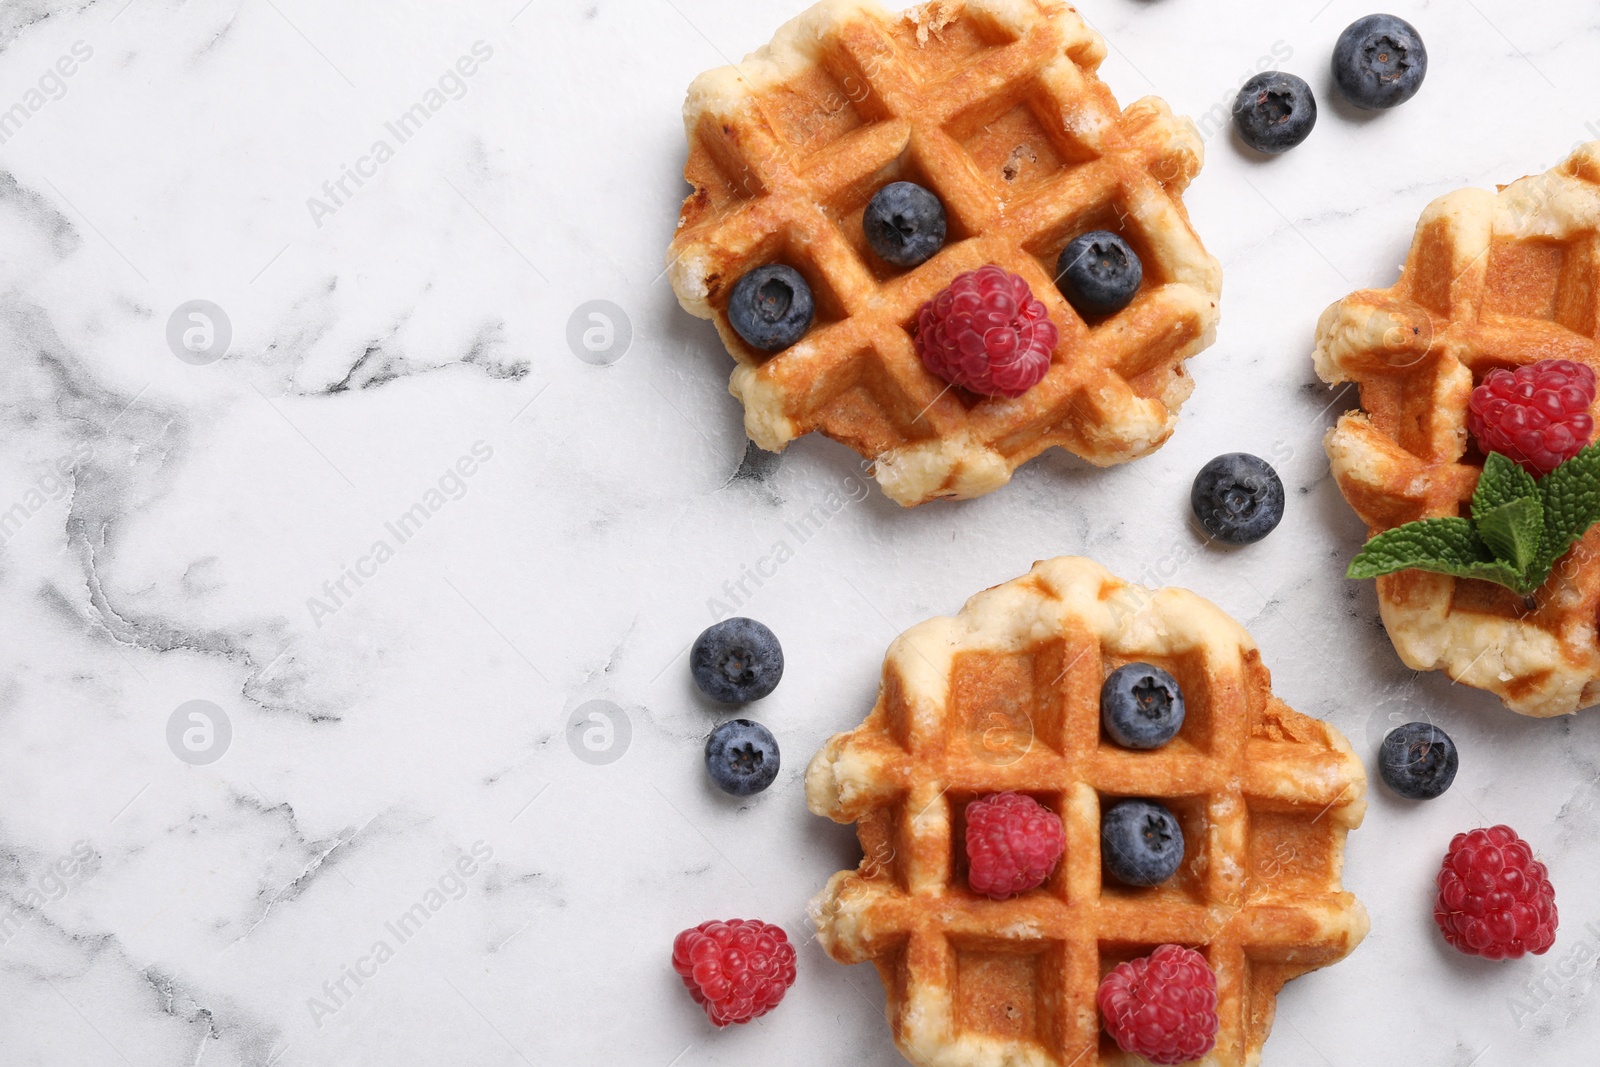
(1006, 695)
(995, 105)
(1491, 281)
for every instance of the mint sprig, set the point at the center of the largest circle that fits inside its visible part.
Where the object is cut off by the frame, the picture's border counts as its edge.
(1519, 527)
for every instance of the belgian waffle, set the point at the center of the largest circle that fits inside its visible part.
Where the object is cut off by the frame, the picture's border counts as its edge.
(1005, 696)
(996, 106)
(1491, 281)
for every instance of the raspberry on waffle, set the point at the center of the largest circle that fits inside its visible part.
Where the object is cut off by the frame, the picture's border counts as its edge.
(1162, 1006)
(1493, 282)
(1013, 844)
(996, 107)
(1537, 415)
(1005, 697)
(987, 334)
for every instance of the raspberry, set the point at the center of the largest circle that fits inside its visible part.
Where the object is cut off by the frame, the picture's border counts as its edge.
(1013, 843)
(1538, 416)
(736, 970)
(986, 333)
(1162, 1006)
(1495, 900)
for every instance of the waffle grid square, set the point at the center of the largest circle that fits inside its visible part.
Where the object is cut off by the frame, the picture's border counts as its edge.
(1006, 697)
(1492, 280)
(998, 109)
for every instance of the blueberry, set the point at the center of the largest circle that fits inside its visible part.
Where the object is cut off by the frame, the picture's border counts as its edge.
(1238, 498)
(1379, 62)
(771, 307)
(1098, 273)
(1141, 706)
(1275, 111)
(1140, 842)
(742, 757)
(904, 224)
(736, 661)
(1418, 760)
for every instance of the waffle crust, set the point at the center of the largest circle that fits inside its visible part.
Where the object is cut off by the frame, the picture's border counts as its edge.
(1005, 695)
(996, 106)
(1492, 280)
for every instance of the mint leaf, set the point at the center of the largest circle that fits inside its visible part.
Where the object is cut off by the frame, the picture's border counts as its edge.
(1571, 498)
(1444, 546)
(1519, 527)
(1508, 513)
(1501, 482)
(1497, 572)
(1513, 531)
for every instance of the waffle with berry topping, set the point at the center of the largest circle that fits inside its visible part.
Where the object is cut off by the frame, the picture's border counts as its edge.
(995, 105)
(1006, 697)
(1492, 281)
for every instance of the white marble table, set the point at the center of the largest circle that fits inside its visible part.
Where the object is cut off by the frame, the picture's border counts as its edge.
(395, 371)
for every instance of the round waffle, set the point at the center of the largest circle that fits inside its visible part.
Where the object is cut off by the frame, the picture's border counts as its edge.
(1491, 281)
(996, 106)
(1006, 696)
